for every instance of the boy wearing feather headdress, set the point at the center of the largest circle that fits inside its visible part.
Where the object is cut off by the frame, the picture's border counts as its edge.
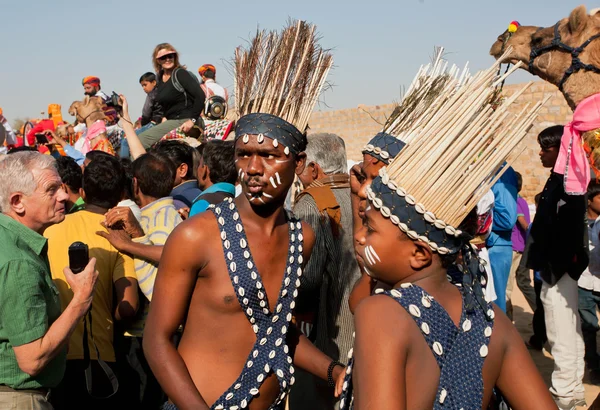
(428, 342)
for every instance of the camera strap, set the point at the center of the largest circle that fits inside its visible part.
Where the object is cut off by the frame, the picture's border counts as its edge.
(86, 359)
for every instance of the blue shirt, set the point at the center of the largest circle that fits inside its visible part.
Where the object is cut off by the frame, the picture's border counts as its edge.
(73, 153)
(200, 205)
(185, 193)
(505, 209)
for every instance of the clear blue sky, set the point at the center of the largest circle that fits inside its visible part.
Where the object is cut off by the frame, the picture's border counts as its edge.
(49, 46)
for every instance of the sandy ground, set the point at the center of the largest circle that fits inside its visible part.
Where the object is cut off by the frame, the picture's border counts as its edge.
(522, 316)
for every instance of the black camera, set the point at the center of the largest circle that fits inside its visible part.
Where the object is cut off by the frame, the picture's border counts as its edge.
(78, 257)
(41, 138)
(113, 101)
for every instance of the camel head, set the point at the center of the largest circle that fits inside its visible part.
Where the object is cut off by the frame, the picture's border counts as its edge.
(519, 42)
(89, 110)
(552, 64)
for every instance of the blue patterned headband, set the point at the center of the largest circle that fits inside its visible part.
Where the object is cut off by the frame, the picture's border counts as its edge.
(275, 128)
(418, 224)
(384, 147)
(412, 218)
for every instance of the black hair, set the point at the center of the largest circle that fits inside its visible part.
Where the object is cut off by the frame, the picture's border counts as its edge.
(22, 148)
(150, 77)
(519, 181)
(550, 137)
(70, 173)
(128, 177)
(103, 182)
(179, 153)
(93, 155)
(218, 156)
(155, 174)
(593, 189)
(469, 227)
(536, 199)
(209, 74)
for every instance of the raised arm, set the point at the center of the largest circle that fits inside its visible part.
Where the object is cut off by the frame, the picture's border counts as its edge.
(135, 145)
(173, 290)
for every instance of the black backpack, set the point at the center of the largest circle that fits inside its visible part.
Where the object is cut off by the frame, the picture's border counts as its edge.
(178, 85)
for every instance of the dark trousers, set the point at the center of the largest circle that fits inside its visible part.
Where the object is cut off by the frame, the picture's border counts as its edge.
(539, 337)
(138, 382)
(588, 301)
(72, 392)
(523, 279)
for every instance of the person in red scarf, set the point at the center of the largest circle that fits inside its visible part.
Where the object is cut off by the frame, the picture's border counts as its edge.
(40, 128)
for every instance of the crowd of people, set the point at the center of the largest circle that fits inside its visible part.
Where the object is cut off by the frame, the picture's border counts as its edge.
(203, 262)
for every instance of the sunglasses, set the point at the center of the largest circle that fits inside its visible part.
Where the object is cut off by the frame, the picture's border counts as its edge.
(166, 57)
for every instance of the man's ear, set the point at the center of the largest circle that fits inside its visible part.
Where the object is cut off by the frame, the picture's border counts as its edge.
(421, 256)
(135, 187)
(300, 163)
(182, 170)
(16, 202)
(316, 171)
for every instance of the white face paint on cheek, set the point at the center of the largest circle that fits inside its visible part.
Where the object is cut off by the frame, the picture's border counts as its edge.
(368, 208)
(272, 180)
(373, 253)
(371, 256)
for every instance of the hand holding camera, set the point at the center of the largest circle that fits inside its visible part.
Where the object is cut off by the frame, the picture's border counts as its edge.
(81, 275)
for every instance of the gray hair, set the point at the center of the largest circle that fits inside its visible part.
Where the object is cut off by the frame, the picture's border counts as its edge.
(16, 174)
(327, 150)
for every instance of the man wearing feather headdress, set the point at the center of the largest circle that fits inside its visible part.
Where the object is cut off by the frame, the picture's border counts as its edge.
(235, 288)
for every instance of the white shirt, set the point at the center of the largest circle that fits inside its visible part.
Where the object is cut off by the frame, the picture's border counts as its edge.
(216, 89)
(11, 137)
(590, 278)
(485, 205)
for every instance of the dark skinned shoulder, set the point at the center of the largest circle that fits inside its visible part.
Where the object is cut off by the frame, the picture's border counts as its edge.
(196, 233)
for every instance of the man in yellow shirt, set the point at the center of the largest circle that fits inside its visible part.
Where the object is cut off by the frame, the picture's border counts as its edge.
(103, 185)
(153, 180)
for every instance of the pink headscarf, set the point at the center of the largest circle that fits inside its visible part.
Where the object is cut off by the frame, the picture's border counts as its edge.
(572, 159)
(95, 129)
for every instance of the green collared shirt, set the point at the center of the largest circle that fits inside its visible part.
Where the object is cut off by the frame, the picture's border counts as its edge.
(79, 205)
(29, 303)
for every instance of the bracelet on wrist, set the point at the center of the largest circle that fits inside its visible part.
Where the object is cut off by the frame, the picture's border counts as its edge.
(330, 380)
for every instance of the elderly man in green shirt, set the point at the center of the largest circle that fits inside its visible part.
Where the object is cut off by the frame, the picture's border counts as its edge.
(34, 333)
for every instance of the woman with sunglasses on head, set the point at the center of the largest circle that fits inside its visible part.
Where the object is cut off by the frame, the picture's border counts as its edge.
(178, 92)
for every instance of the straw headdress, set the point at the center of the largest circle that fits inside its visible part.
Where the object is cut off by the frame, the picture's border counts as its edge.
(456, 149)
(427, 88)
(278, 80)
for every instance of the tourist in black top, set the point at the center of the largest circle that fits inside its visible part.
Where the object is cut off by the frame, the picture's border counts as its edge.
(181, 108)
